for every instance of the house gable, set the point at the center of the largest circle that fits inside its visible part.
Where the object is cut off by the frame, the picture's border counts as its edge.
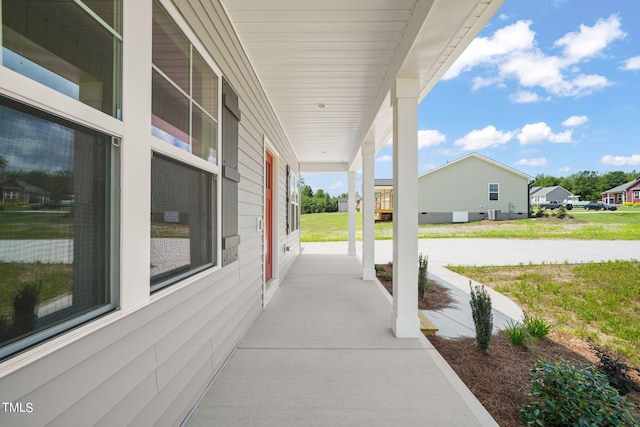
(463, 185)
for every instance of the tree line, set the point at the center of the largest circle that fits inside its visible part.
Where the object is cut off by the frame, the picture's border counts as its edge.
(587, 184)
(317, 202)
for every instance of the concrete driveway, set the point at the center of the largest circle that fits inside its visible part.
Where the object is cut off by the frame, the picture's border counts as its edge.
(457, 320)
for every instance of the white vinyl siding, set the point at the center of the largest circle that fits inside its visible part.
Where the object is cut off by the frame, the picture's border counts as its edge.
(148, 363)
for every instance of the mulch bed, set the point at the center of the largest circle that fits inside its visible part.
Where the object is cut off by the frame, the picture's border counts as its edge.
(500, 379)
(435, 298)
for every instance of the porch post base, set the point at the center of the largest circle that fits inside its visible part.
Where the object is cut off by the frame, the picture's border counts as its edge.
(405, 327)
(368, 274)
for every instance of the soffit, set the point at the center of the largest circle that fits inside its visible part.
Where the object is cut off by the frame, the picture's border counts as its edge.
(346, 55)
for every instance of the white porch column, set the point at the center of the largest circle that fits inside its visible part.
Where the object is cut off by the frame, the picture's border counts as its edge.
(135, 151)
(404, 100)
(368, 182)
(351, 207)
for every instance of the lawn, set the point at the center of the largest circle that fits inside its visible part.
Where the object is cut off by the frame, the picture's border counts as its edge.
(597, 301)
(623, 224)
(36, 225)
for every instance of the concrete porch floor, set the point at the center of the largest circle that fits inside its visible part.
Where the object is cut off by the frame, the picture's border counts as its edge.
(322, 354)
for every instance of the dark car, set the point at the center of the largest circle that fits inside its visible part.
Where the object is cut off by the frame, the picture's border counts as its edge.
(597, 206)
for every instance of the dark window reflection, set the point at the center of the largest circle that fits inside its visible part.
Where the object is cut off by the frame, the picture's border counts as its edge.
(54, 225)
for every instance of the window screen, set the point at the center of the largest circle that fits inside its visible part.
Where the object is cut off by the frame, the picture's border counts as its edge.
(55, 225)
(182, 220)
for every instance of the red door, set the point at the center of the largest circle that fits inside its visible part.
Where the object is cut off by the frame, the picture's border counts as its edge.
(268, 221)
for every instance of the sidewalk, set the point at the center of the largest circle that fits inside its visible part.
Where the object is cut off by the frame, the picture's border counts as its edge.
(322, 354)
(457, 321)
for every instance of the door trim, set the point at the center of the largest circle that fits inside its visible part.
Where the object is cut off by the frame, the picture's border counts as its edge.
(270, 288)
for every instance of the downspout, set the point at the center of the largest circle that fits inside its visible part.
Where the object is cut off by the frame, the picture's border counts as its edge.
(529, 186)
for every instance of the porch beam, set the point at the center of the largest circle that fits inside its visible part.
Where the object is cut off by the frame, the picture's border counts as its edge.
(368, 238)
(404, 101)
(351, 208)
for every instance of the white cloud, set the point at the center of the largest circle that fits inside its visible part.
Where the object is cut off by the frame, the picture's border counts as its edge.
(504, 41)
(632, 63)
(430, 138)
(632, 160)
(536, 133)
(564, 169)
(574, 121)
(483, 138)
(524, 97)
(540, 161)
(385, 158)
(511, 53)
(590, 41)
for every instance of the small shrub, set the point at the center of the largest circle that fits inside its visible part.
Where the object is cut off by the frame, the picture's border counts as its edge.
(379, 267)
(561, 212)
(482, 316)
(566, 395)
(515, 332)
(627, 204)
(387, 277)
(537, 327)
(24, 309)
(616, 371)
(537, 212)
(423, 265)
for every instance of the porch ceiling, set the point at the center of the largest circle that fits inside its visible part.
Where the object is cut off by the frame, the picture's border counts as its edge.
(345, 55)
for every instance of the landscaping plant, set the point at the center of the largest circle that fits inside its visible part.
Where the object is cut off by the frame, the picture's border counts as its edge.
(616, 371)
(537, 327)
(515, 332)
(423, 265)
(566, 395)
(482, 316)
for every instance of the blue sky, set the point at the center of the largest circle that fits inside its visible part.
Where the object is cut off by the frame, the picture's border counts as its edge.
(548, 87)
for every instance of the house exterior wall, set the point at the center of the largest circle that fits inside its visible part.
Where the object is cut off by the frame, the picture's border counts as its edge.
(543, 196)
(634, 191)
(149, 364)
(464, 186)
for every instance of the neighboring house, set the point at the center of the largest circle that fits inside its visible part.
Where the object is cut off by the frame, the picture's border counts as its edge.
(343, 204)
(14, 190)
(472, 188)
(185, 127)
(383, 196)
(539, 195)
(628, 192)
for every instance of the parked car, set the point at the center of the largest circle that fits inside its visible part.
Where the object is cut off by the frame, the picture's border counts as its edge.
(597, 206)
(553, 204)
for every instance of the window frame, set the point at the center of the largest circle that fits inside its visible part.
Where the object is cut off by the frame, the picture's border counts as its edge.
(195, 47)
(46, 336)
(636, 194)
(293, 201)
(163, 148)
(115, 30)
(496, 191)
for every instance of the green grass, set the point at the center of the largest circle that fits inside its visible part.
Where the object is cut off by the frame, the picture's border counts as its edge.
(36, 225)
(52, 281)
(623, 224)
(598, 301)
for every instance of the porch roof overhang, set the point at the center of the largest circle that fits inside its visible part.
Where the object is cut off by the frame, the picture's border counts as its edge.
(327, 66)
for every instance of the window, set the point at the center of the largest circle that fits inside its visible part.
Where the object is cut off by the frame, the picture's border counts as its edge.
(71, 46)
(184, 91)
(494, 191)
(182, 220)
(636, 194)
(293, 199)
(56, 241)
